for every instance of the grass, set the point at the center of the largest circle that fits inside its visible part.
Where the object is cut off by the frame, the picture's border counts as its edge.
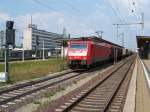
(36, 102)
(52, 93)
(33, 69)
(49, 94)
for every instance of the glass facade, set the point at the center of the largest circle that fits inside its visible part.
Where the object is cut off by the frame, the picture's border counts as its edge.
(48, 39)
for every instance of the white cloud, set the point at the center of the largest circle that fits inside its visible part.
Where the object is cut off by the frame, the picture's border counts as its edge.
(54, 22)
(4, 16)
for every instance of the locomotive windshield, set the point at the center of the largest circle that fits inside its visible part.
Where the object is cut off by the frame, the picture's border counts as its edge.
(78, 46)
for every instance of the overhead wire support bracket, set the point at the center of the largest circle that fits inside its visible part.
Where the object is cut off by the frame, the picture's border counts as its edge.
(136, 23)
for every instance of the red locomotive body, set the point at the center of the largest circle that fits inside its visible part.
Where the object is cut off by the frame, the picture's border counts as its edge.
(85, 52)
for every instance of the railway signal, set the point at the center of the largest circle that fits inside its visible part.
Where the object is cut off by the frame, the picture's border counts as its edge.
(10, 33)
(10, 40)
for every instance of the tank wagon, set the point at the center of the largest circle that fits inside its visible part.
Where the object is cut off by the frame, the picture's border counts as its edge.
(88, 51)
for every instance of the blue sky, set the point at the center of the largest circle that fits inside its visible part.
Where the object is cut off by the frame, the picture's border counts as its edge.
(79, 17)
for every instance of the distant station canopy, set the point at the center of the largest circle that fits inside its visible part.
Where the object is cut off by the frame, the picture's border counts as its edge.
(143, 44)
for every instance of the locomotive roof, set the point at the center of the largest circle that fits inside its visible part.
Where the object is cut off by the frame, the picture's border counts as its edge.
(95, 39)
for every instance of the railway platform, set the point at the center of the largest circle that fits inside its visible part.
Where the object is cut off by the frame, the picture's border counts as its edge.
(138, 96)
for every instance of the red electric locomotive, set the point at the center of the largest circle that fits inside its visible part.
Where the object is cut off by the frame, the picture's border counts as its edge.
(87, 51)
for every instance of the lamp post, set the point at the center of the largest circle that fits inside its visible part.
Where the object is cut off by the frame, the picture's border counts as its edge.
(36, 46)
(22, 51)
(43, 51)
(23, 54)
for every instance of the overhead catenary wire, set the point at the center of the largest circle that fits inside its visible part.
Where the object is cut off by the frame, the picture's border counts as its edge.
(69, 4)
(130, 5)
(123, 18)
(77, 10)
(114, 11)
(133, 7)
(118, 14)
(44, 5)
(54, 9)
(133, 2)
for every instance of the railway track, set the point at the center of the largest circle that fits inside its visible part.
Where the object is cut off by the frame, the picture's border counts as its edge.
(104, 95)
(23, 93)
(20, 92)
(36, 81)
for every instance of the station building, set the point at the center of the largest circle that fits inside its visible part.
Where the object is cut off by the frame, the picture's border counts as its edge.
(36, 40)
(143, 44)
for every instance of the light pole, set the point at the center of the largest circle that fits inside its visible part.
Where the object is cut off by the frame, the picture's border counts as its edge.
(122, 38)
(23, 54)
(6, 61)
(43, 51)
(22, 51)
(36, 46)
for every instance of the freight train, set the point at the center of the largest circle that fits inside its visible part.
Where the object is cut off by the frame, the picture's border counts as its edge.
(85, 52)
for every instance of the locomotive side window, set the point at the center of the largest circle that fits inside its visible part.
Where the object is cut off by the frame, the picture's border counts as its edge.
(78, 46)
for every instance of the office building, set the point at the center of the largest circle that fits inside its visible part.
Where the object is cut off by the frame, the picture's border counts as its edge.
(39, 39)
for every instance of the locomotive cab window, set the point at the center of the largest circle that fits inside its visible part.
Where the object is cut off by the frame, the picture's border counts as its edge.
(78, 46)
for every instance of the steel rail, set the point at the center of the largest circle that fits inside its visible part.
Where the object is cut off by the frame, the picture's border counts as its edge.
(88, 92)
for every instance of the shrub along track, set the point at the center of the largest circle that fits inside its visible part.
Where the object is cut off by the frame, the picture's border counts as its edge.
(105, 92)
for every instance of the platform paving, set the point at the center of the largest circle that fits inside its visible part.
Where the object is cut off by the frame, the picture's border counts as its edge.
(142, 93)
(138, 96)
(147, 64)
(131, 95)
